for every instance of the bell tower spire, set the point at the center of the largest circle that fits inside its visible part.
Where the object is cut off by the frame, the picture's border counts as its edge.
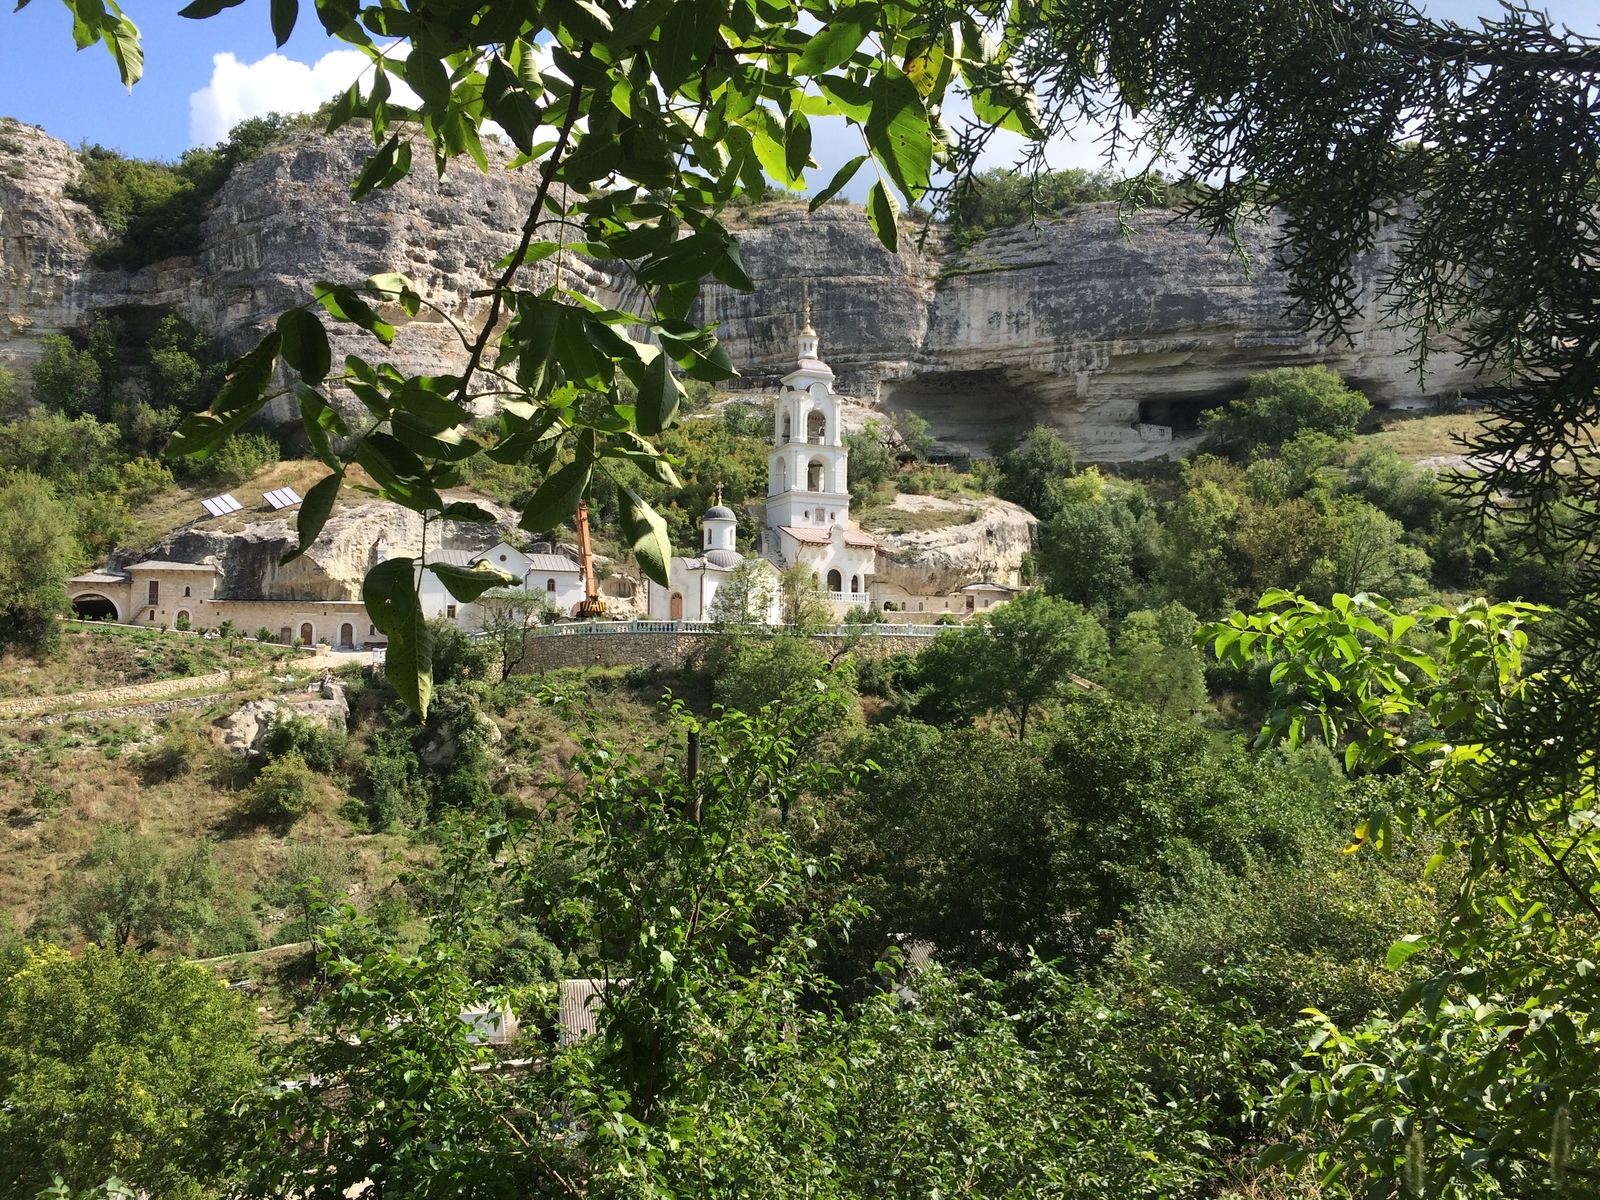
(807, 342)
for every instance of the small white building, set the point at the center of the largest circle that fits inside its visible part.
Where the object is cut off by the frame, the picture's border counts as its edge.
(693, 582)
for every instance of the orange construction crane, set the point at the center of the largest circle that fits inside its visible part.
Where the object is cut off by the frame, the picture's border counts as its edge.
(591, 605)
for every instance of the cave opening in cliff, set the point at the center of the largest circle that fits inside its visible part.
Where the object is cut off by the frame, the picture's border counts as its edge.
(1181, 414)
(966, 410)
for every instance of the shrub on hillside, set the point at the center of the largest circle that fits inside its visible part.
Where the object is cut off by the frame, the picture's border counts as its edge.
(285, 789)
(1281, 405)
(321, 748)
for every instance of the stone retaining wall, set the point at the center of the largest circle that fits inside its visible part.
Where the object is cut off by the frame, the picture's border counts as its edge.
(667, 650)
(26, 705)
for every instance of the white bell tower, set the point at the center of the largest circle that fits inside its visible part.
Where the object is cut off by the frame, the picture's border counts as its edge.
(807, 484)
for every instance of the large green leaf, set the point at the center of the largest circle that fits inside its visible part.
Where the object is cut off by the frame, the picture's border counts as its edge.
(320, 419)
(390, 594)
(466, 584)
(314, 510)
(659, 396)
(687, 34)
(898, 131)
(646, 532)
(305, 344)
(833, 44)
(284, 15)
(841, 177)
(398, 472)
(343, 304)
(557, 498)
(883, 214)
(240, 399)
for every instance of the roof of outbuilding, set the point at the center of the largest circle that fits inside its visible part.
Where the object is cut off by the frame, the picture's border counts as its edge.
(550, 562)
(98, 577)
(156, 564)
(445, 554)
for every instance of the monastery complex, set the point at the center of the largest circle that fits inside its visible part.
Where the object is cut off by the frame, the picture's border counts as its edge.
(808, 525)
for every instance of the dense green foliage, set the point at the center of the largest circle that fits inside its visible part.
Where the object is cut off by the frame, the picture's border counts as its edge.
(1283, 405)
(152, 210)
(37, 554)
(117, 1064)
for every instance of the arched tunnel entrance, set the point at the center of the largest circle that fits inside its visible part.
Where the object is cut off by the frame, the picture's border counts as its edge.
(94, 608)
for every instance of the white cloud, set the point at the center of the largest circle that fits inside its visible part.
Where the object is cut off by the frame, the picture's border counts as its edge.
(273, 84)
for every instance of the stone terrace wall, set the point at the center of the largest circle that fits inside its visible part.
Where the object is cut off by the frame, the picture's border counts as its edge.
(25, 705)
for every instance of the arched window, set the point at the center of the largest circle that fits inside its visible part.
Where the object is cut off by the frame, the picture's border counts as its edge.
(816, 427)
(835, 582)
(549, 585)
(814, 476)
(855, 583)
(787, 427)
(186, 591)
(781, 479)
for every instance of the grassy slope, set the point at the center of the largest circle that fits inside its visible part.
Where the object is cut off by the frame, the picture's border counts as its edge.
(91, 658)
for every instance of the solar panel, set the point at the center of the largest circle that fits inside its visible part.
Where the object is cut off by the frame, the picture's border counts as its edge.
(281, 498)
(221, 506)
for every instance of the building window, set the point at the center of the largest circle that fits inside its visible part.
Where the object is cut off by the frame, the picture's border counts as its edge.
(372, 631)
(786, 427)
(502, 558)
(185, 591)
(814, 476)
(155, 594)
(920, 606)
(969, 603)
(450, 611)
(549, 585)
(855, 583)
(816, 427)
(835, 582)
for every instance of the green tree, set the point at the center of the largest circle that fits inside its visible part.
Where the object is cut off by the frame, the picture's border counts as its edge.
(872, 463)
(72, 454)
(37, 555)
(1156, 663)
(1086, 553)
(1282, 405)
(748, 596)
(118, 1065)
(132, 892)
(1016, 659)
(12, 400)
(1368, 554)
(67, 379)
(1033, 470)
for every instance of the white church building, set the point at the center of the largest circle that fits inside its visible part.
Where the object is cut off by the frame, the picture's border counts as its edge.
(808, 508)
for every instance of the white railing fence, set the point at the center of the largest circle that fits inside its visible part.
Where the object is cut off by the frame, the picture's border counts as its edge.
(610, 628)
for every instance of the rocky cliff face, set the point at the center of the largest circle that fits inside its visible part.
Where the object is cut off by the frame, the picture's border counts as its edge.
(1113, 340)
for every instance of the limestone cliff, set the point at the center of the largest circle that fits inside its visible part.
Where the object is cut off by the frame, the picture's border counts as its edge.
(985, 540)
(1113, 340)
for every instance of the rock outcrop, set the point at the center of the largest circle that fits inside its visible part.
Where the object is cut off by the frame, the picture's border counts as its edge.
(249, 551)
(244, 731)
(1115, 340)
(985, 540)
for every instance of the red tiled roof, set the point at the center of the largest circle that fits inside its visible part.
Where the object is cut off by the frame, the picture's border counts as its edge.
(821, 537)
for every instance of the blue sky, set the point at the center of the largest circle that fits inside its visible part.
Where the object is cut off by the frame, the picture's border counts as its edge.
(187, 97)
